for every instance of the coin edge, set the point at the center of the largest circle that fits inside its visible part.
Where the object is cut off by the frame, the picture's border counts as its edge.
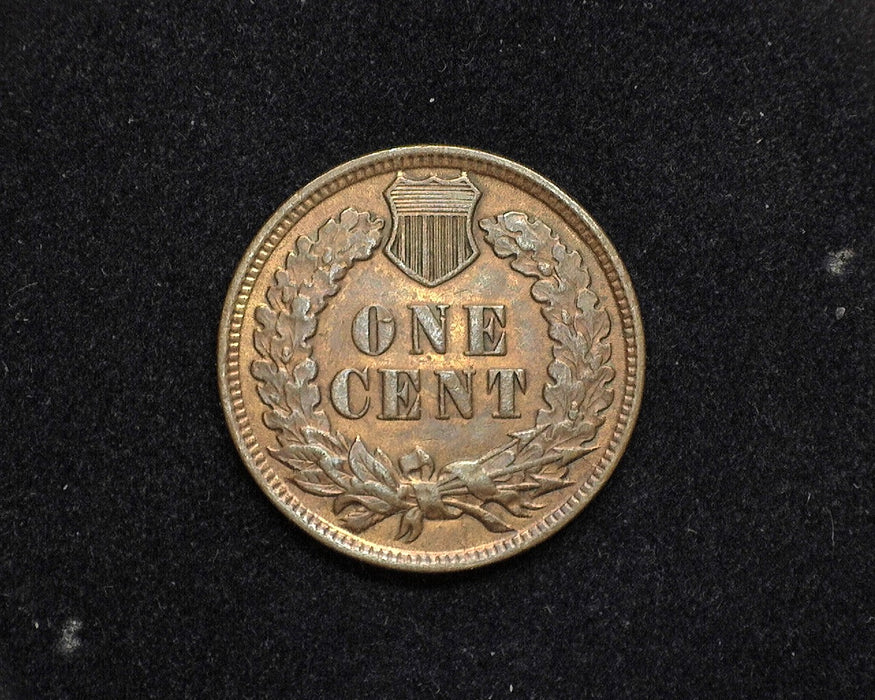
(334, 536)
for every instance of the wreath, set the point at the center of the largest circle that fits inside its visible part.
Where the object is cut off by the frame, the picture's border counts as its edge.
(365, 484)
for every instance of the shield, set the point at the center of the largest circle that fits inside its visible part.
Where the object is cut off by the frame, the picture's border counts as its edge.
(432, 240)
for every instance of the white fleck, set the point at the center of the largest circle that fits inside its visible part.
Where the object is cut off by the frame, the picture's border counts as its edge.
(511, 688)
(36, 624)
(767, 206)
(840, 312)
(837, 262)
(11, 301)
(69, 641)
(431, 100)
(65, 487)
(762, 115)
(832, 528)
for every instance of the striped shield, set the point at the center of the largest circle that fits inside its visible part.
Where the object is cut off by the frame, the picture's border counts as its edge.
(431, 239)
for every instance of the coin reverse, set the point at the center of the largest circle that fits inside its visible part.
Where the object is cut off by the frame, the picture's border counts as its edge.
(431, 358)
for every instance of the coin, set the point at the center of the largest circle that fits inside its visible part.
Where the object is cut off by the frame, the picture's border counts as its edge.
(431, 358)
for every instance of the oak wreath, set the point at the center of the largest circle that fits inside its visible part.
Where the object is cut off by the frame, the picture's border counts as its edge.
(366, 485)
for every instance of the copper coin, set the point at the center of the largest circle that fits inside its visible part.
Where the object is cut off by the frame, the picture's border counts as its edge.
(431, 358)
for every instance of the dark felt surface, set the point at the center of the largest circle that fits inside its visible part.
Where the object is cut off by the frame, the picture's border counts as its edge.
(728, 153)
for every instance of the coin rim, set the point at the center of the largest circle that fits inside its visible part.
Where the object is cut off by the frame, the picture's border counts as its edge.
(332, 533)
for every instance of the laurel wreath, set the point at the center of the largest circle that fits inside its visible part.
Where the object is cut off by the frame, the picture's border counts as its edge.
(366, 485)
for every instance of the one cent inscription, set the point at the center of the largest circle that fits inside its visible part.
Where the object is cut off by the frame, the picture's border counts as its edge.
(373, 331)
(433, 365)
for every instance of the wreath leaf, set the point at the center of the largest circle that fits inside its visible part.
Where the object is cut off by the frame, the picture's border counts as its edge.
(491, 522)
(317, 488)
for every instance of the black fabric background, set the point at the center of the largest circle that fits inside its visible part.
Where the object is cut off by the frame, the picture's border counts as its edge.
(728, 153)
